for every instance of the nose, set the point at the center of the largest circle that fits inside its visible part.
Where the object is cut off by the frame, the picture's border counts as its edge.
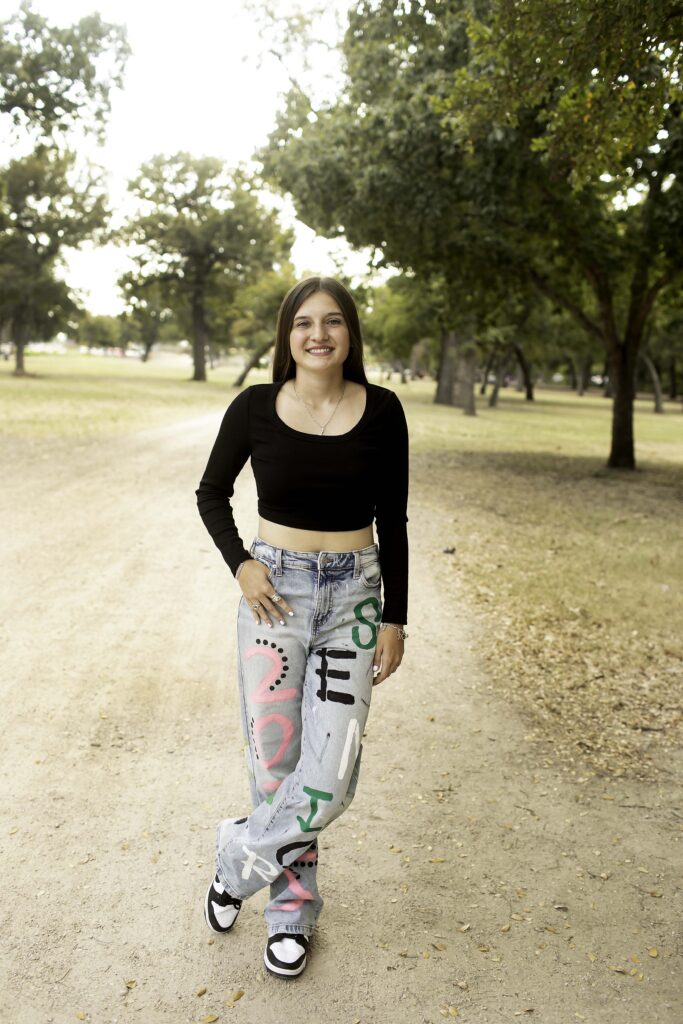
(318, 332)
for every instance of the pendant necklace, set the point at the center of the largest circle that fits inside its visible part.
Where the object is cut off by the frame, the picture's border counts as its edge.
(322, 425)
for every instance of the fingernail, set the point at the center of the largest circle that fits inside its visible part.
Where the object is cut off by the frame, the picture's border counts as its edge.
(290, 613)
(282, 622)
(374, 668)
(270, 625)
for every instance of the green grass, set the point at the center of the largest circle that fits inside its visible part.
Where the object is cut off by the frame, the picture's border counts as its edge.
(82, 397)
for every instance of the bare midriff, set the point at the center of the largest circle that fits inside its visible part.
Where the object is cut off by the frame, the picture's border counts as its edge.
(294, 539)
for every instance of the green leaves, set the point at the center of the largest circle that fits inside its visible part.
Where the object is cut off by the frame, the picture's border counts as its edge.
(51, 78)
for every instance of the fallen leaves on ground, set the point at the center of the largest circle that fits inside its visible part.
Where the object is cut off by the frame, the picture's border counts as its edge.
(581, 636)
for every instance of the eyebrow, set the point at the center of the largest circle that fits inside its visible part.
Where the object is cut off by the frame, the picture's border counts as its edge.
(304, 316)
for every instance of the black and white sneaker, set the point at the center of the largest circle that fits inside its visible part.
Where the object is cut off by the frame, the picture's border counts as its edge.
(285, 954)
(220, 908)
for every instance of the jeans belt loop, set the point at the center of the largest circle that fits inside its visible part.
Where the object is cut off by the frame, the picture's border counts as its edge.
(278, 561)
(356, 564)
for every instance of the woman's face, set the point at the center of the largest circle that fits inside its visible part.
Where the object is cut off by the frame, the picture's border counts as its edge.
(319, 337)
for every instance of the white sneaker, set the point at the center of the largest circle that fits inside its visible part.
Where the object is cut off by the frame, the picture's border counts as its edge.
(285, 954)
(220, 908)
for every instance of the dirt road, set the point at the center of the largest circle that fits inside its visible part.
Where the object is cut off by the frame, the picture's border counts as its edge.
(466, 881)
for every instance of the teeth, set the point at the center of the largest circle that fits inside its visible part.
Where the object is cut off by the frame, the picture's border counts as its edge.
(323, 349)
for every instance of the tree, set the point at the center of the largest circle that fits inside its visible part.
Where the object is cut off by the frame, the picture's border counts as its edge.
(147, 309)
(56, 79)
(598, 73)
(403, 315)
(99, 331)
(52, 82)
(599, 84)
(48, 204)
(377, 167)
(32, 300)
(201, 228)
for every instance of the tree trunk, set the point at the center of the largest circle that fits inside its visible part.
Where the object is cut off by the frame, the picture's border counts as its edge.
(673, 384)
(198, 337)
(252, 362)
(573, 376)
(656, 383)
(622, 374)
(19, 344)
(468, 366)
(607, 382)
(150, 336)
(586, 369)
(526, 371)
(583, 376)
(447, 373)
(487, 370)
(498, 371)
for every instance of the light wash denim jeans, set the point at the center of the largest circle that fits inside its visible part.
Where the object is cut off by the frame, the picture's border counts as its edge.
(305, 691)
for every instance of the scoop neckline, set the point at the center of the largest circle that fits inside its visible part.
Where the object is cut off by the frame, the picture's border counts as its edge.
(307, 434)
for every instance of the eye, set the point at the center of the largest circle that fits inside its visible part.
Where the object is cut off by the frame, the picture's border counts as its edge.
(335, 321)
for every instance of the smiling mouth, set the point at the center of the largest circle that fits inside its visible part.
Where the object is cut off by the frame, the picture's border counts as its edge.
(320, 349)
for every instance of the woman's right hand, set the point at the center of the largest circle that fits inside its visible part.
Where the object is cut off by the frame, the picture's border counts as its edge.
(256, 587)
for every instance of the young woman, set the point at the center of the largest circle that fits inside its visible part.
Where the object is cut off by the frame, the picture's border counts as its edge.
(329, 452)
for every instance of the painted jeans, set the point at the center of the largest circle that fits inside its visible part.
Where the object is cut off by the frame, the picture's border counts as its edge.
(305, 691)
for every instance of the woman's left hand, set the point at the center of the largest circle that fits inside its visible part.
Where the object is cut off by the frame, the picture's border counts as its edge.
(388, 654)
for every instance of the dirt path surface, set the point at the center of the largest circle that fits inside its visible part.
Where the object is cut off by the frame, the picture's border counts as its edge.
(467, 880)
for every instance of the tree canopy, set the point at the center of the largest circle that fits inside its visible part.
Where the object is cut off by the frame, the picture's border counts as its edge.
(54, 78)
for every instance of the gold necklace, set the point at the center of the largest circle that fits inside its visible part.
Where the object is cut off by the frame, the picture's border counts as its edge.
(309, 410)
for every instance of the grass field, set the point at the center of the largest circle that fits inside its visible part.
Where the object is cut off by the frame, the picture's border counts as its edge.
(576, 570)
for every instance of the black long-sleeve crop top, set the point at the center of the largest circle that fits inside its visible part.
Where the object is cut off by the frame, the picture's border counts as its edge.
(315, 481)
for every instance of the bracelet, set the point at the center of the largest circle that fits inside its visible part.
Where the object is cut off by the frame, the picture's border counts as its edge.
(239, 568)
(399, 629)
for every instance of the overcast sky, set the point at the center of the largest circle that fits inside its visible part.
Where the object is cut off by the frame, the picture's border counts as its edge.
(194, 82)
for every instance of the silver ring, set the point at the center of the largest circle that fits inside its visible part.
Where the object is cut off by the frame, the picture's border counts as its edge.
(276, 597)
(256, 605)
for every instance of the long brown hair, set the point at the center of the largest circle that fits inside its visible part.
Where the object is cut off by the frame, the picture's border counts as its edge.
(284, 366)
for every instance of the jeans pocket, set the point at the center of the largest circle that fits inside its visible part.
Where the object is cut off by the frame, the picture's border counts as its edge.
(370, 574)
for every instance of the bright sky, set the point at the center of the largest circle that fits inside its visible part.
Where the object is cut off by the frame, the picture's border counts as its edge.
(194, 82)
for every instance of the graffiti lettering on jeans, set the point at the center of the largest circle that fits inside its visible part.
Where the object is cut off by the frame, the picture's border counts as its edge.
(266, 691)
(297, 889)
(325, 672)
(287, 731)
(268, 872)
(315, 795)
(305, 845)
(371, 625)
(352, 736)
